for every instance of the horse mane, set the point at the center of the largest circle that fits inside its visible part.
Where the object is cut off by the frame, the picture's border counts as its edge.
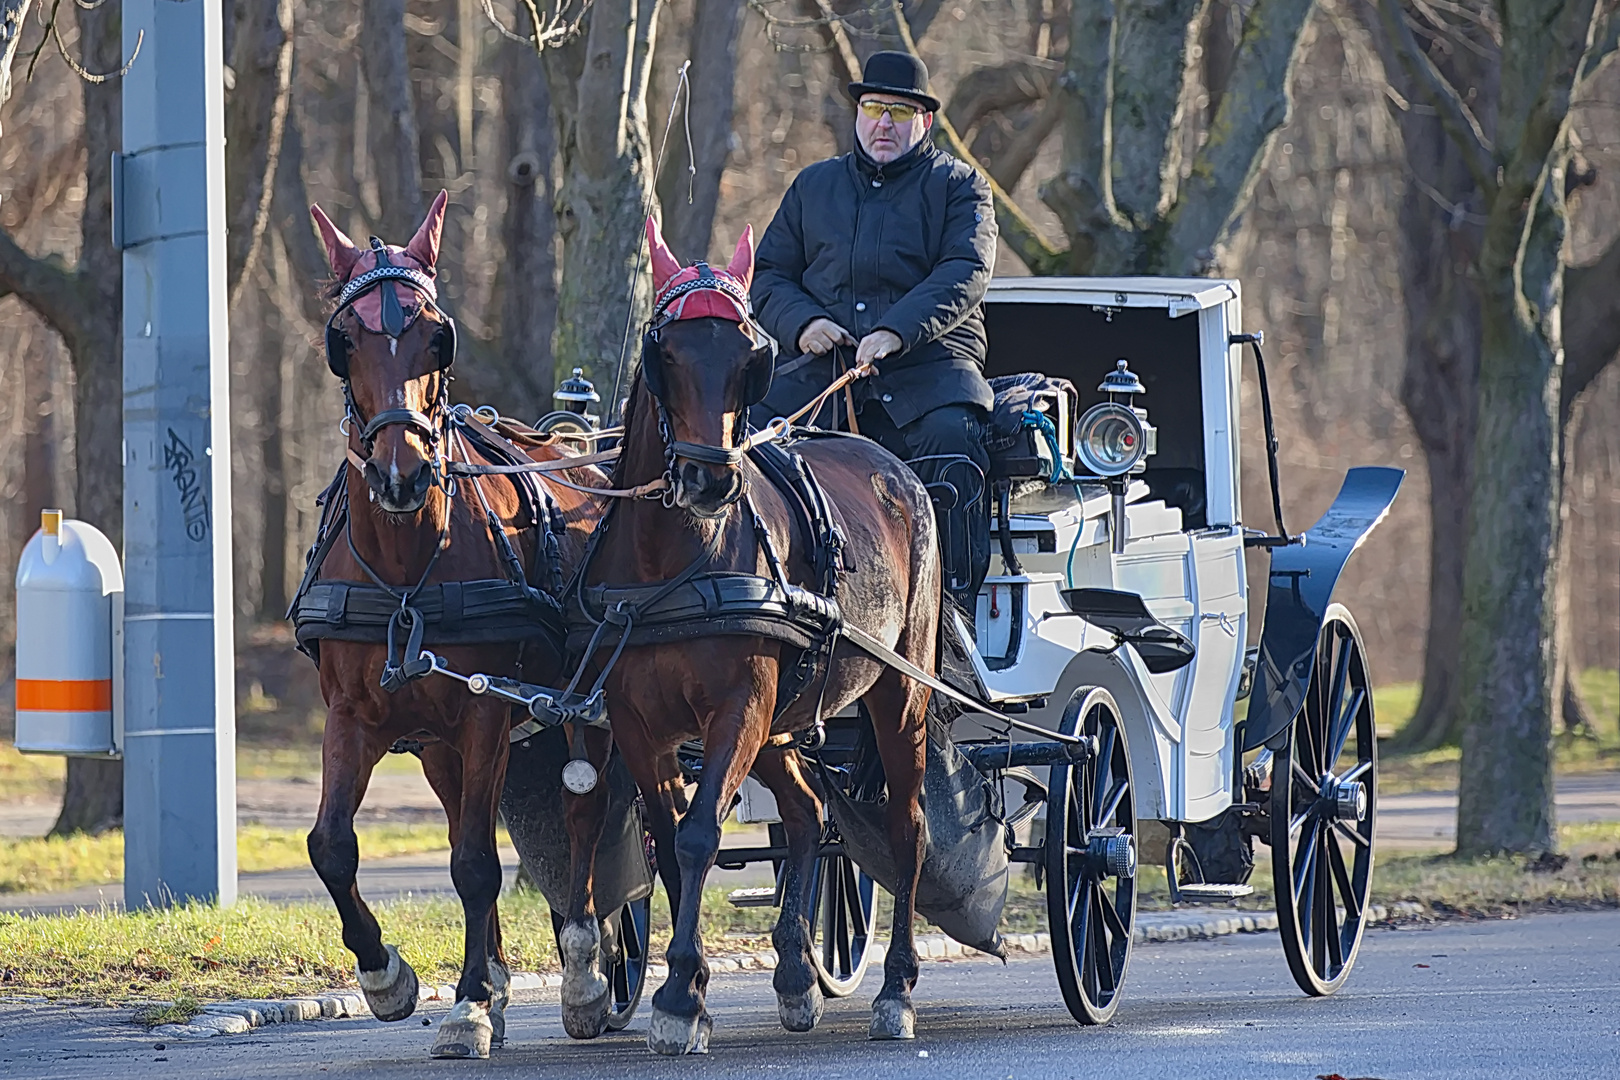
(629, 426)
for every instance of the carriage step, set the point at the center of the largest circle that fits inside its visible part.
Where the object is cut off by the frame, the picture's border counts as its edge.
(761, 897)
(1212, 894)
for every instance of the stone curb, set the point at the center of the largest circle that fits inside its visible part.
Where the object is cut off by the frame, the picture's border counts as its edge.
(236, 1017)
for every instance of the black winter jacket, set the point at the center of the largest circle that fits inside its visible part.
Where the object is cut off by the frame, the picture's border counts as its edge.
(907, 247)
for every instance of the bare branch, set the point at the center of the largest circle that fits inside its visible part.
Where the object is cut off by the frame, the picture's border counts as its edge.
(1255, 105)
(1591, 321)
(1603, 46)
(838, 31)
(1455, 117)
(255, 121)
(1011, 164)
(996, 89)
(1019, 232)
(563, 24)
(1539, 71)
(44, 284)
(53, 35)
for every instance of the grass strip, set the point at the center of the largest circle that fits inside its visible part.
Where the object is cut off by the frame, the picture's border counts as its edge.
(258, 949)
(56, 863)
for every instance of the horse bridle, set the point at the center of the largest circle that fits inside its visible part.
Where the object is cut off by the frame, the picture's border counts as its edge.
(652, 375)
(395, 322)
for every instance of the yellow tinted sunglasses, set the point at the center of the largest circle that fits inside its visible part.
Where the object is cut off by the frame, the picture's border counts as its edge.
(900, 114)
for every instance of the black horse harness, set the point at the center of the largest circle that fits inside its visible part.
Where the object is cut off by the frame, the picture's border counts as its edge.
(516, 607)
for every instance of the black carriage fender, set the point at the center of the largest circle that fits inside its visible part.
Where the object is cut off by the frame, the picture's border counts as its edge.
(1303, 577)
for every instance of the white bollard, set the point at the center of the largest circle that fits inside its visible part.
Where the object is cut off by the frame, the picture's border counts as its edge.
(70, 593)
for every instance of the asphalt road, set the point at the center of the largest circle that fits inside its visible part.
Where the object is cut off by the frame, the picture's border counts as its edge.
(1538, 997)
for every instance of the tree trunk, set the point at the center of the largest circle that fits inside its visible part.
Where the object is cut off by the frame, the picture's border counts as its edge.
(271, 376)
(689, 199)
(1508, 690)
(598, 89)
(391, 138)
(39, 439)
(1437, 721)
(94, 796)
(527, 279)
(1441, 213)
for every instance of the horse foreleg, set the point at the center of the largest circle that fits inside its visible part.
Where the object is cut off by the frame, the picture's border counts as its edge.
(441, 764)
(731, 739)
(897, 706)
(475, 868)
(347, 758)
(586, 992)
(799, 1000)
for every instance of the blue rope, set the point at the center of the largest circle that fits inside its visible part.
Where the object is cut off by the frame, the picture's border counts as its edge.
(1043, 423)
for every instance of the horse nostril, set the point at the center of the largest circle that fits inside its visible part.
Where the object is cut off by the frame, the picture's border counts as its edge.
(694, 476)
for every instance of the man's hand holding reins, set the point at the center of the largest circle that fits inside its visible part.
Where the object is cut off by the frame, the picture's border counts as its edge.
(875, 346)
(821, 335)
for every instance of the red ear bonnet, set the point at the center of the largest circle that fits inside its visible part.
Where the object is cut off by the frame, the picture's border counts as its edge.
(711, 303)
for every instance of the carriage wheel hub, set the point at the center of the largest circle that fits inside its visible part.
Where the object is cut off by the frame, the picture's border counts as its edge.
(1348, 801)
(1113, 856)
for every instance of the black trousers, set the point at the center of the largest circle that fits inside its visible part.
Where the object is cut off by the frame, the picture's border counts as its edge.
(935, 446)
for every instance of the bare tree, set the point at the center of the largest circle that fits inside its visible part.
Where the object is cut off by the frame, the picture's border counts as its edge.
(598, 82)
(255, 118)
(1444, 218)
(689, 198)
(83, 305)
(527, 278)
(1514, 144)
(391, 131)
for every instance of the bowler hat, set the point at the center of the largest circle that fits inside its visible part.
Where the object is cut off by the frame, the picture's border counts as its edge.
(897, 73)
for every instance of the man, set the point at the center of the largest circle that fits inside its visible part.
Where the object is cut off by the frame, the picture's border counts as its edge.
(882, 255)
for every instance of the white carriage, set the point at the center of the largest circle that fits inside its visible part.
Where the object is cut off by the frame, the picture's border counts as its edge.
(1117, 611)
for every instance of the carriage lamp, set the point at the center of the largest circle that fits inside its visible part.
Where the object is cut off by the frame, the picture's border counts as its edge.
(576, 393)
(1113, 440)
(574, 398)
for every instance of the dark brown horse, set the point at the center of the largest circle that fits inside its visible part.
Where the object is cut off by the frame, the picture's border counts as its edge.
(406, 534)
(723, 690)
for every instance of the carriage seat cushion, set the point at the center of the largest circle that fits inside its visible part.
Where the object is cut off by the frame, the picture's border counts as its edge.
(1017, 447)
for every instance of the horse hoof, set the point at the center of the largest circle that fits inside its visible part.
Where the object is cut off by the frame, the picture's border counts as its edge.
(391, 992)
(500, 984)
(586, 1021)
(673, 1036)
(801, 1012)
(585, 990)
(465, 1033)
(893, 1019)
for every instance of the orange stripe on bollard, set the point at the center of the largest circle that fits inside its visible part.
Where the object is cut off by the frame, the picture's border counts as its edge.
(64, 695)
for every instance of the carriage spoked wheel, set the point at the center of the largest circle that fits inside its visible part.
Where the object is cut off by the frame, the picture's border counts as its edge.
(1090, 860)
(624, 958)
(626, 965)
(843, 917)
(1323, 797)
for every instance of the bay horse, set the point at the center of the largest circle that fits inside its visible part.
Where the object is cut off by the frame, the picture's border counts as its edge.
(702, 367)
(410, 529)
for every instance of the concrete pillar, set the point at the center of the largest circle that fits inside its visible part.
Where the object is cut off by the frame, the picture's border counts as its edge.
(169, 217)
